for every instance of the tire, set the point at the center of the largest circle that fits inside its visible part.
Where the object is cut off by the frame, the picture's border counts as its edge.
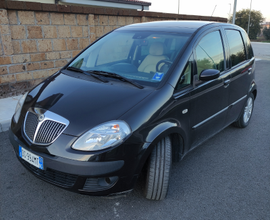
(158, 170)
(246, 114)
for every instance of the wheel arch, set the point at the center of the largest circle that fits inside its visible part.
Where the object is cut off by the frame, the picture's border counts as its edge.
(177, 137)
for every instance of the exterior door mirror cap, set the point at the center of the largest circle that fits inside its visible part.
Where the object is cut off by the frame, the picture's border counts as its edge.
(209, 74)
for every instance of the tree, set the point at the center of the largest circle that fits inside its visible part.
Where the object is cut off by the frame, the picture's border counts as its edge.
(266, 33)
(256, 18)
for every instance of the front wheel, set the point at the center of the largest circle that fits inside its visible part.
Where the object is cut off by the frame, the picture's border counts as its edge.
(245, 117)
(158, 170)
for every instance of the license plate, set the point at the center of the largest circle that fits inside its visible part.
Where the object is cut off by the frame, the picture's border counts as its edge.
(31, 158)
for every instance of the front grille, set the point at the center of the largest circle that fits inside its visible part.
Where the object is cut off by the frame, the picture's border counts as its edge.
(55, 177)
(48, 131)
(31, 123)
(45, 130)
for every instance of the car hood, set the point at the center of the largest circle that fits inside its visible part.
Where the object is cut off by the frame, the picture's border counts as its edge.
(86, 103)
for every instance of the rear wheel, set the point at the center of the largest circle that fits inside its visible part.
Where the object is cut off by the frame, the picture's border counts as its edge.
(245, 117)
(158, 170)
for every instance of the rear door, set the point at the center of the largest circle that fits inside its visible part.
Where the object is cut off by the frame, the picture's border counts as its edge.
(241, 65)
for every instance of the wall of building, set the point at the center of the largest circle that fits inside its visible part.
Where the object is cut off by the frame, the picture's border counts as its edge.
(38, 39)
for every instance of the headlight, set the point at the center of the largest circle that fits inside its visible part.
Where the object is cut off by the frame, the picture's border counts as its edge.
(19, 108)
(103, 136)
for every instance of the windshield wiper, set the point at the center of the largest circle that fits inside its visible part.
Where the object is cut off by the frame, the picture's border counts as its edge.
(86, 73)
(117, 76)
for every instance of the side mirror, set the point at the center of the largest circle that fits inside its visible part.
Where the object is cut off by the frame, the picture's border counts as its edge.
(209, 74)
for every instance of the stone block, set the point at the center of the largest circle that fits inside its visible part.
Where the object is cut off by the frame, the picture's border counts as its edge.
(16, 46)
(34, 32)
(82, 19)
(8, 78)
(57, 18)
(75, 53)
(47, 65)
(4, 29)
(84, 42)
(5, 60)
(59, 44)
(129, 20)
(63, 31)
(52, 56)
(96, 20)
(72, 44)
(37, 57)
(121, 21)
(136, 20)
(19, 86)
(107, 29)
(63, 8)
(91, 19)
(40, 74)
(93, 30)
(24, 58)
(26, 17)
(32, 66)
(51, 71)
(88, 10)
(44, 45)
(76, 31)
(65, 54)
(42, 18)
(112, 20)
(33, 6)
(24, 76)
(49, 7)
(76, 9)
(92, 38)
(7, 45)
(85, 31)
(12, 17)
(16, 68)
(103, 20)
(50, 31)
(70, 19)
(3, 16)
(60, 63)
(17, 32)
(34, 82)
(29, 46)
(99, 31)
(3, 70)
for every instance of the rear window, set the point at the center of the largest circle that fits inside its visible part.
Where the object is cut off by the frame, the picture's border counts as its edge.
(237, 49)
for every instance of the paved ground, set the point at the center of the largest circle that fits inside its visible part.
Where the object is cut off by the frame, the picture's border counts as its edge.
(225, 178)
(261, 50)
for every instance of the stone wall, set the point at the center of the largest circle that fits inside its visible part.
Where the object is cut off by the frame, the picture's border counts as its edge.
(38, 39)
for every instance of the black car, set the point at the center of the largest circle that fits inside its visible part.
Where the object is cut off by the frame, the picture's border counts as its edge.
(136, 99)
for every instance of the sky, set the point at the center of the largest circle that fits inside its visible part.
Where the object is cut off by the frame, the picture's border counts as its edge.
(221, 8)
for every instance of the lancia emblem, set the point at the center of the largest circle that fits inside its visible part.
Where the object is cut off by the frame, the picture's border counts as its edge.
(41, 117)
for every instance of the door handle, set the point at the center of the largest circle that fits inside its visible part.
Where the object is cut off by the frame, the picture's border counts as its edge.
(227, 83)
(249, 70)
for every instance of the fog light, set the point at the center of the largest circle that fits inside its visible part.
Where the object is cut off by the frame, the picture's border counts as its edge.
(99, 184)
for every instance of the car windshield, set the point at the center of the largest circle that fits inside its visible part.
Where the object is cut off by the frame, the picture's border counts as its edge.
(141, 56)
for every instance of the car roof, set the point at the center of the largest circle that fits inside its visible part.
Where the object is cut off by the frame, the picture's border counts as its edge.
(168, 26)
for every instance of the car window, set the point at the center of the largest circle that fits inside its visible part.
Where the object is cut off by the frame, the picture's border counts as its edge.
(186, 76)
(237, 49)
(143, 56)
(209, 53)
(248, 45)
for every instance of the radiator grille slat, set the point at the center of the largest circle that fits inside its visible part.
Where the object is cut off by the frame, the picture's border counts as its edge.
(42, 132)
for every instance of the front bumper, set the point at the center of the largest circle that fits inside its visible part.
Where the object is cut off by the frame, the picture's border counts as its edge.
(93, 178)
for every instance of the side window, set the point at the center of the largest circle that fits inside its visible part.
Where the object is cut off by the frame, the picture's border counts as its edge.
(186, 76)
(237, 49)
(248, 45)
(209, 53)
